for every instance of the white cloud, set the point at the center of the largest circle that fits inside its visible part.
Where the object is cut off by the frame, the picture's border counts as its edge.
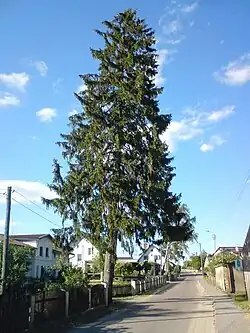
(46, 114)
(175, 41)
(189, 8)
(41, 67)
(31, 190)
(214, 141)
(81, 87)
(8, 99)
(223, 113)
(175, 21)
(193, 125)
(172, 28)
(183, 130)
(73, 112)
(205, 147)
(15, 80)
(162, 60)
(236, 73)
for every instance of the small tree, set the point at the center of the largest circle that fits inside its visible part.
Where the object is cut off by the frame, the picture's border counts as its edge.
(221, 259)
(19, 261)
(98, 263)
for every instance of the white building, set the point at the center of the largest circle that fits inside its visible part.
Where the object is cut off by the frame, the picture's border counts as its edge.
(228, 249)
(83, 254)
(153, 254)
(45, 254)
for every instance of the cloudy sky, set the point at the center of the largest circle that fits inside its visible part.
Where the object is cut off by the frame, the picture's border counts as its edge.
(204, 59)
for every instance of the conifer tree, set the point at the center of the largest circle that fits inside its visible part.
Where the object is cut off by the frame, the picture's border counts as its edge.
(117, 185)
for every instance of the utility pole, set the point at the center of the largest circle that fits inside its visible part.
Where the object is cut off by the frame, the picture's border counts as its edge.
(6, 240)
(201, 257)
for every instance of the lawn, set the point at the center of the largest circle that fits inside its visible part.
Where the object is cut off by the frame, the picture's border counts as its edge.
(242, 302)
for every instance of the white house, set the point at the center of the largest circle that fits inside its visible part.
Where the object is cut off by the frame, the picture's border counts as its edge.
(228, 249)
(83, 254)
(45, 254)
(154, 254)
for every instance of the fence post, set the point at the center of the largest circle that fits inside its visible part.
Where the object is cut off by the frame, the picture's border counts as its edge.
(32, 309)
(140, 287)
(134, 287)
(90, 305)
(106, 293)
(66, 304)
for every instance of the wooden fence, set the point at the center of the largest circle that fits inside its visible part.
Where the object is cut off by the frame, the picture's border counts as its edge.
(14, 312)
(19, 311)
(78, 300)
(246, 266)
(49, 305)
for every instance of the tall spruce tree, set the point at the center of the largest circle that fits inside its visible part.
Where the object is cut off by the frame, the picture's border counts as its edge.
(119, 170)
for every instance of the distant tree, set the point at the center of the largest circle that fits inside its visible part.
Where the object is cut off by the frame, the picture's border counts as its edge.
(124, 269)
(195, 262)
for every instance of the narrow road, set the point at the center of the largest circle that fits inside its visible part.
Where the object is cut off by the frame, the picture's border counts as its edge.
(182, 308)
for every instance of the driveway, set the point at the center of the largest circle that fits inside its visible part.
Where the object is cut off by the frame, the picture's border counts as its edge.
(182, 308)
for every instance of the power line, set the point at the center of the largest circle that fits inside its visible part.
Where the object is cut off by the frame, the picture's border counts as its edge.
(34, 212)
(33, 202)
(244, 185)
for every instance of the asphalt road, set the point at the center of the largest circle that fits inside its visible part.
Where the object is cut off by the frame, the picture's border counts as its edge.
(182, 308)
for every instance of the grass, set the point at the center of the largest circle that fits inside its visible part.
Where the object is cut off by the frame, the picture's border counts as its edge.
(241, 300)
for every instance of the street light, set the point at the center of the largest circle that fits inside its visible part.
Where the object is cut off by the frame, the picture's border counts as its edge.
(213, 237)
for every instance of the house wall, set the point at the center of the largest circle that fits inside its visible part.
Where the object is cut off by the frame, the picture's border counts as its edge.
(83, 252)
(150, 256)
(247, 281)
(45, 259)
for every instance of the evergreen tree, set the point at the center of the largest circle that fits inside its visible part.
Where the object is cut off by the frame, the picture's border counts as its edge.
(119, 170)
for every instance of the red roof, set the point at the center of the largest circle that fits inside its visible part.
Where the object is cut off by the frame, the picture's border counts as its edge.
(13, 241)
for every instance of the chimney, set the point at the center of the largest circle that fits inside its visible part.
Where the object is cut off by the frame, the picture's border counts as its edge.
(145, 246)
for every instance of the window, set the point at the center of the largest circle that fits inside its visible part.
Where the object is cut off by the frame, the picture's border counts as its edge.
(41, 251)
(42, 271)
(89, 251)
(79, 257)
(92, 250)
(47, 252)
(156, 257)
(145, 258)
(37, 271)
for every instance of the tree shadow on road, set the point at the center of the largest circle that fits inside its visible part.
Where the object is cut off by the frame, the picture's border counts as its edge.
(126, 321)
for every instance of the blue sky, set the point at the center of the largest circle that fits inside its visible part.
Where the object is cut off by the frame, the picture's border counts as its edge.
(204, 58)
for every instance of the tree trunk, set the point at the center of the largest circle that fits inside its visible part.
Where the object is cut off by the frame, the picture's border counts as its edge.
(109, 267)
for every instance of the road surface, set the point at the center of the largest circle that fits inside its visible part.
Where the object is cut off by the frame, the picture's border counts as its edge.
(183, 308)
